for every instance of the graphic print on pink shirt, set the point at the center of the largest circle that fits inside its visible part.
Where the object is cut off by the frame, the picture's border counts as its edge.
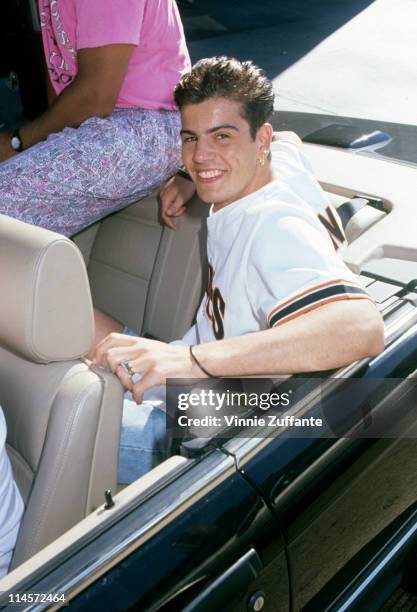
(60, 54)
(159, 58)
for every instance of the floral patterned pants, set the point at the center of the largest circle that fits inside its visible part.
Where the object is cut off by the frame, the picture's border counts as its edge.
(80, 175)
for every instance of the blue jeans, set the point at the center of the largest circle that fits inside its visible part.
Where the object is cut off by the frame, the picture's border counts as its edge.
(143, 441)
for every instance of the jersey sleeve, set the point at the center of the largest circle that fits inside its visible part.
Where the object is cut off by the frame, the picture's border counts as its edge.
(291, 166)
(106, 22)
(189, 338)
(293, 268)
(288, 158)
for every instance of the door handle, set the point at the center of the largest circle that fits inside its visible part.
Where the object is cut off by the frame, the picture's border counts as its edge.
(229, 587)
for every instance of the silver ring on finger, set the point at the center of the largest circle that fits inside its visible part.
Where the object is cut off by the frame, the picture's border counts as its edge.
(126, 364)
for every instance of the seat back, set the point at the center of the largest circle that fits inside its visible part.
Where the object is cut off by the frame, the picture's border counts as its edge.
(144, 274)
(178, 277)
(122, 260)
(63, 417)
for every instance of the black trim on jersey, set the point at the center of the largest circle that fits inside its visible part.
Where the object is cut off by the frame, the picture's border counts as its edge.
(314, 297)
(332, 225)
(215, 306)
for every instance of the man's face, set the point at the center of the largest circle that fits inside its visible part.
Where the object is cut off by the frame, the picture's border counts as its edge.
(219, 152)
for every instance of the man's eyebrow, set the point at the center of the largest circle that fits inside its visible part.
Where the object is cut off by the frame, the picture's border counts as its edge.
(225, 126)
(188, 132)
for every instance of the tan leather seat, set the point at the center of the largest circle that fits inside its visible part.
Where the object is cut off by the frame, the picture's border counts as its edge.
(63, 418)
(145, 274)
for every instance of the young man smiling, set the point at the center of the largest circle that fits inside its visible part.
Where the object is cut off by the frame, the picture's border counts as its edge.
(223, 158)
(279, 298)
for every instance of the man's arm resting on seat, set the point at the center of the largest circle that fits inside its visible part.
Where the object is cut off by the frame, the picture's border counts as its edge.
(328, 337)
(93, 93)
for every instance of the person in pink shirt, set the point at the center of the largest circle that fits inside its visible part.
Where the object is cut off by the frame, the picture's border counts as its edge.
(111, 132)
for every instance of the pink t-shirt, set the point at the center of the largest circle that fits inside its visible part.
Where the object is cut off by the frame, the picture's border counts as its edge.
(154, 26)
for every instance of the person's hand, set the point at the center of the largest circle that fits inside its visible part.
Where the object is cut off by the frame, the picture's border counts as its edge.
(155, 361)
(174, 195)
(6, 150)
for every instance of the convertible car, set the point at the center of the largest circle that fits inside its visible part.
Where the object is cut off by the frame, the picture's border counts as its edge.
(239, 519)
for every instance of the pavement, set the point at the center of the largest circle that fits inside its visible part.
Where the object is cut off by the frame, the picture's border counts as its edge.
(332, 57)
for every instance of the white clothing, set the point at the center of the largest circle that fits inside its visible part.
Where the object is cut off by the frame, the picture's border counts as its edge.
(291, 167)
(270, 256)
(11, 504)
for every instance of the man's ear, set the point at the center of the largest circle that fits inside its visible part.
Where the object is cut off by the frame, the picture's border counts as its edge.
(264, 136)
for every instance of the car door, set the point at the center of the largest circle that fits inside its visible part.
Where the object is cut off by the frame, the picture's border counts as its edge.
(195, 536)
(334, 495)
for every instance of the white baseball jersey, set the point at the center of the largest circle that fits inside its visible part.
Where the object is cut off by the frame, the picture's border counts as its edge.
(270, 257)
(11, 504)
(291, 166)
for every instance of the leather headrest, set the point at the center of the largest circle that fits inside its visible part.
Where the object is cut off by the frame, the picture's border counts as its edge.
(45, 302)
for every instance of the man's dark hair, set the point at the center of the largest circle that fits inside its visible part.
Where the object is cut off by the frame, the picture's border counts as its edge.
(227, 77)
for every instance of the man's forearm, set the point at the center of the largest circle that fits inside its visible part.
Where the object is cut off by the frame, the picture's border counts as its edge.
(74, 105)
(329, 337)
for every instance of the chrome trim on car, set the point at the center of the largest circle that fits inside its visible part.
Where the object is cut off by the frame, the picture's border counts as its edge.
(158, 511)
(375, 572)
